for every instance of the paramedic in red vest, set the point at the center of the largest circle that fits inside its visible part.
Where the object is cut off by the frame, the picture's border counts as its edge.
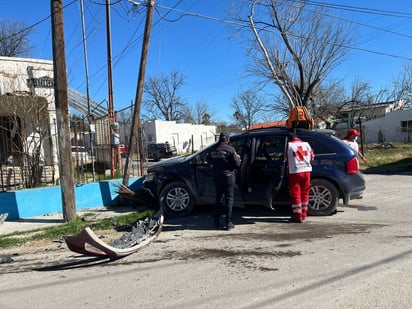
(299, 156)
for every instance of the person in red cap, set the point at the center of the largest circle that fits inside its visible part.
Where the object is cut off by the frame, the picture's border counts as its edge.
(350, 140)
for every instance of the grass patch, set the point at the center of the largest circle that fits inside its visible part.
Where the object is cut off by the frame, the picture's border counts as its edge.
(120, 222)
(388, 158)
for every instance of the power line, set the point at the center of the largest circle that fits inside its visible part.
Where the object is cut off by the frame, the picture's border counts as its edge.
(316, 3)
(133, 39)
(369, 26)
(35, 24)
(247, 26)
(361, 9)
(365, 25)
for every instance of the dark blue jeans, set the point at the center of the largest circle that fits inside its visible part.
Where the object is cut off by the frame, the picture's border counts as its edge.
(225, 187)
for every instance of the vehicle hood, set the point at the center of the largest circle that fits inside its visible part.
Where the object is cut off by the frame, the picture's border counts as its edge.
(164, 163)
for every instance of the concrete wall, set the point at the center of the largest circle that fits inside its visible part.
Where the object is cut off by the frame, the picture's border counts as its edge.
(388, 128)
(180, 134)
(42, 201)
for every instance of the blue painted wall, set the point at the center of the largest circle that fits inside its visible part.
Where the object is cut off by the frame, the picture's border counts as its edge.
(41, 201)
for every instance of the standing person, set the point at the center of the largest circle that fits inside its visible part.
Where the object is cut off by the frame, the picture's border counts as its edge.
(350, 140)
(168, 150)
(225, 161)
(299, 157)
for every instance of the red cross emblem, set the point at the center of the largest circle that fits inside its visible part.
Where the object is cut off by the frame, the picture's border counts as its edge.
(300, 153)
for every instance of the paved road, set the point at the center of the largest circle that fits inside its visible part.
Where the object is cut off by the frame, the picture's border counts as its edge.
(359, 258)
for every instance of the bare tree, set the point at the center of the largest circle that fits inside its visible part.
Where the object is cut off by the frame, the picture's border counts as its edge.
(361, 92)
(200, 113)
(326, 101)
(248, 107)
(403, 86)
(14, 38)
(162, 100)
(361, 102)
(28, 129)
(295, 46)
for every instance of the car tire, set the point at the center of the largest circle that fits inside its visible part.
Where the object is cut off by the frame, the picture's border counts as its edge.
(176, 199)
(323, 198)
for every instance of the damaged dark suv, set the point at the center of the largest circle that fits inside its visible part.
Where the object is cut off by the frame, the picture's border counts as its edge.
(184, 182)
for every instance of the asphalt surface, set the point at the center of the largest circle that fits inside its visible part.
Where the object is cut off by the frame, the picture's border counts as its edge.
(360, 257)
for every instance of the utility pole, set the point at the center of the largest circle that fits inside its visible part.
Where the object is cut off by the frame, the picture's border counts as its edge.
(86, 66)
(136, 126)
(110, 86)
(62, 113)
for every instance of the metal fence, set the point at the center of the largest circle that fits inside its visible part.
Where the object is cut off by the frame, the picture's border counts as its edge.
(93, 157)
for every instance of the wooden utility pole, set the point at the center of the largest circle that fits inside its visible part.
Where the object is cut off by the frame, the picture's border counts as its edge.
(110, 87)
(62, 113)
(136, 126)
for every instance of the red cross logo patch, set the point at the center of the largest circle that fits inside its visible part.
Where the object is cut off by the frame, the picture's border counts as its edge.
(300, 153)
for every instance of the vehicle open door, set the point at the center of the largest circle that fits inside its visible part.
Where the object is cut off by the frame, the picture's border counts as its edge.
(264, 175)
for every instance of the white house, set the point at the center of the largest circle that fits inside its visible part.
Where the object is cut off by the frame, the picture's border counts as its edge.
(370, 111)
(392, 127)
(28, 113)
(27, 109)
(184, 136)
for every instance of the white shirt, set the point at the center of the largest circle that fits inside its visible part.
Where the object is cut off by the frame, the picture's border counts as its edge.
(352, 144)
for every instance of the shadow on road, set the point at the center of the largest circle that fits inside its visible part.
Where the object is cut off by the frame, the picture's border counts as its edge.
(79, 263)
(201, 218)
(401, 167)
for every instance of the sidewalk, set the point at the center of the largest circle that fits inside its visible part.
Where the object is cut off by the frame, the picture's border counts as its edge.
(38, 222)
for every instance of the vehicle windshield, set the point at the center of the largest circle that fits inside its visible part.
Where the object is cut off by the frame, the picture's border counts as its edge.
(191, 156)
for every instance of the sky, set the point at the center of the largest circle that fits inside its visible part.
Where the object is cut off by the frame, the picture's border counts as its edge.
(195, 38)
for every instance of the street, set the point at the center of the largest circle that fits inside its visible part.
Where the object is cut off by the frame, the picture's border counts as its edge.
(360, 257)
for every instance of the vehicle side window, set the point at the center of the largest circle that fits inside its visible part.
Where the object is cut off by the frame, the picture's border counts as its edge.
(239, 145)
(270, 148)
(202, 158)
(318, 146)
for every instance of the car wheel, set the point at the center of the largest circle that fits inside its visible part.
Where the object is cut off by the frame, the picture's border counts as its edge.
(176, 199)
(323, 198)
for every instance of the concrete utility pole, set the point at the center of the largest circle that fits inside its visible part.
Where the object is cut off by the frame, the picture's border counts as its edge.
(62, 112)
(136, 127)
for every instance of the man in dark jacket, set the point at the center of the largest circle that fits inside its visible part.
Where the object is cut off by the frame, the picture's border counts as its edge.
(225, 161)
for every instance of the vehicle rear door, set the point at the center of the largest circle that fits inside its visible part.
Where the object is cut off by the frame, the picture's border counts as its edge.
(264, 175)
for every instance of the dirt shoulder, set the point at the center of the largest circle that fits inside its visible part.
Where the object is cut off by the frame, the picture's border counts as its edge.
(45, 253)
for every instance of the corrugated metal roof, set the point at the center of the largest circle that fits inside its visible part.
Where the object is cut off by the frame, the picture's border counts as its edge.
(78, 101)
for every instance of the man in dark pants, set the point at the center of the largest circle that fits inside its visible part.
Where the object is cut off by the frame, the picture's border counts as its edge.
(225, 161)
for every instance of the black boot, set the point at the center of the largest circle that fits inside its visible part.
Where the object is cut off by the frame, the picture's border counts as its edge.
(228, 226)
(216, 223)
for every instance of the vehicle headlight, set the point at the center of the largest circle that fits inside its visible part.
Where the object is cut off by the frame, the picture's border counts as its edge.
(149, 177)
